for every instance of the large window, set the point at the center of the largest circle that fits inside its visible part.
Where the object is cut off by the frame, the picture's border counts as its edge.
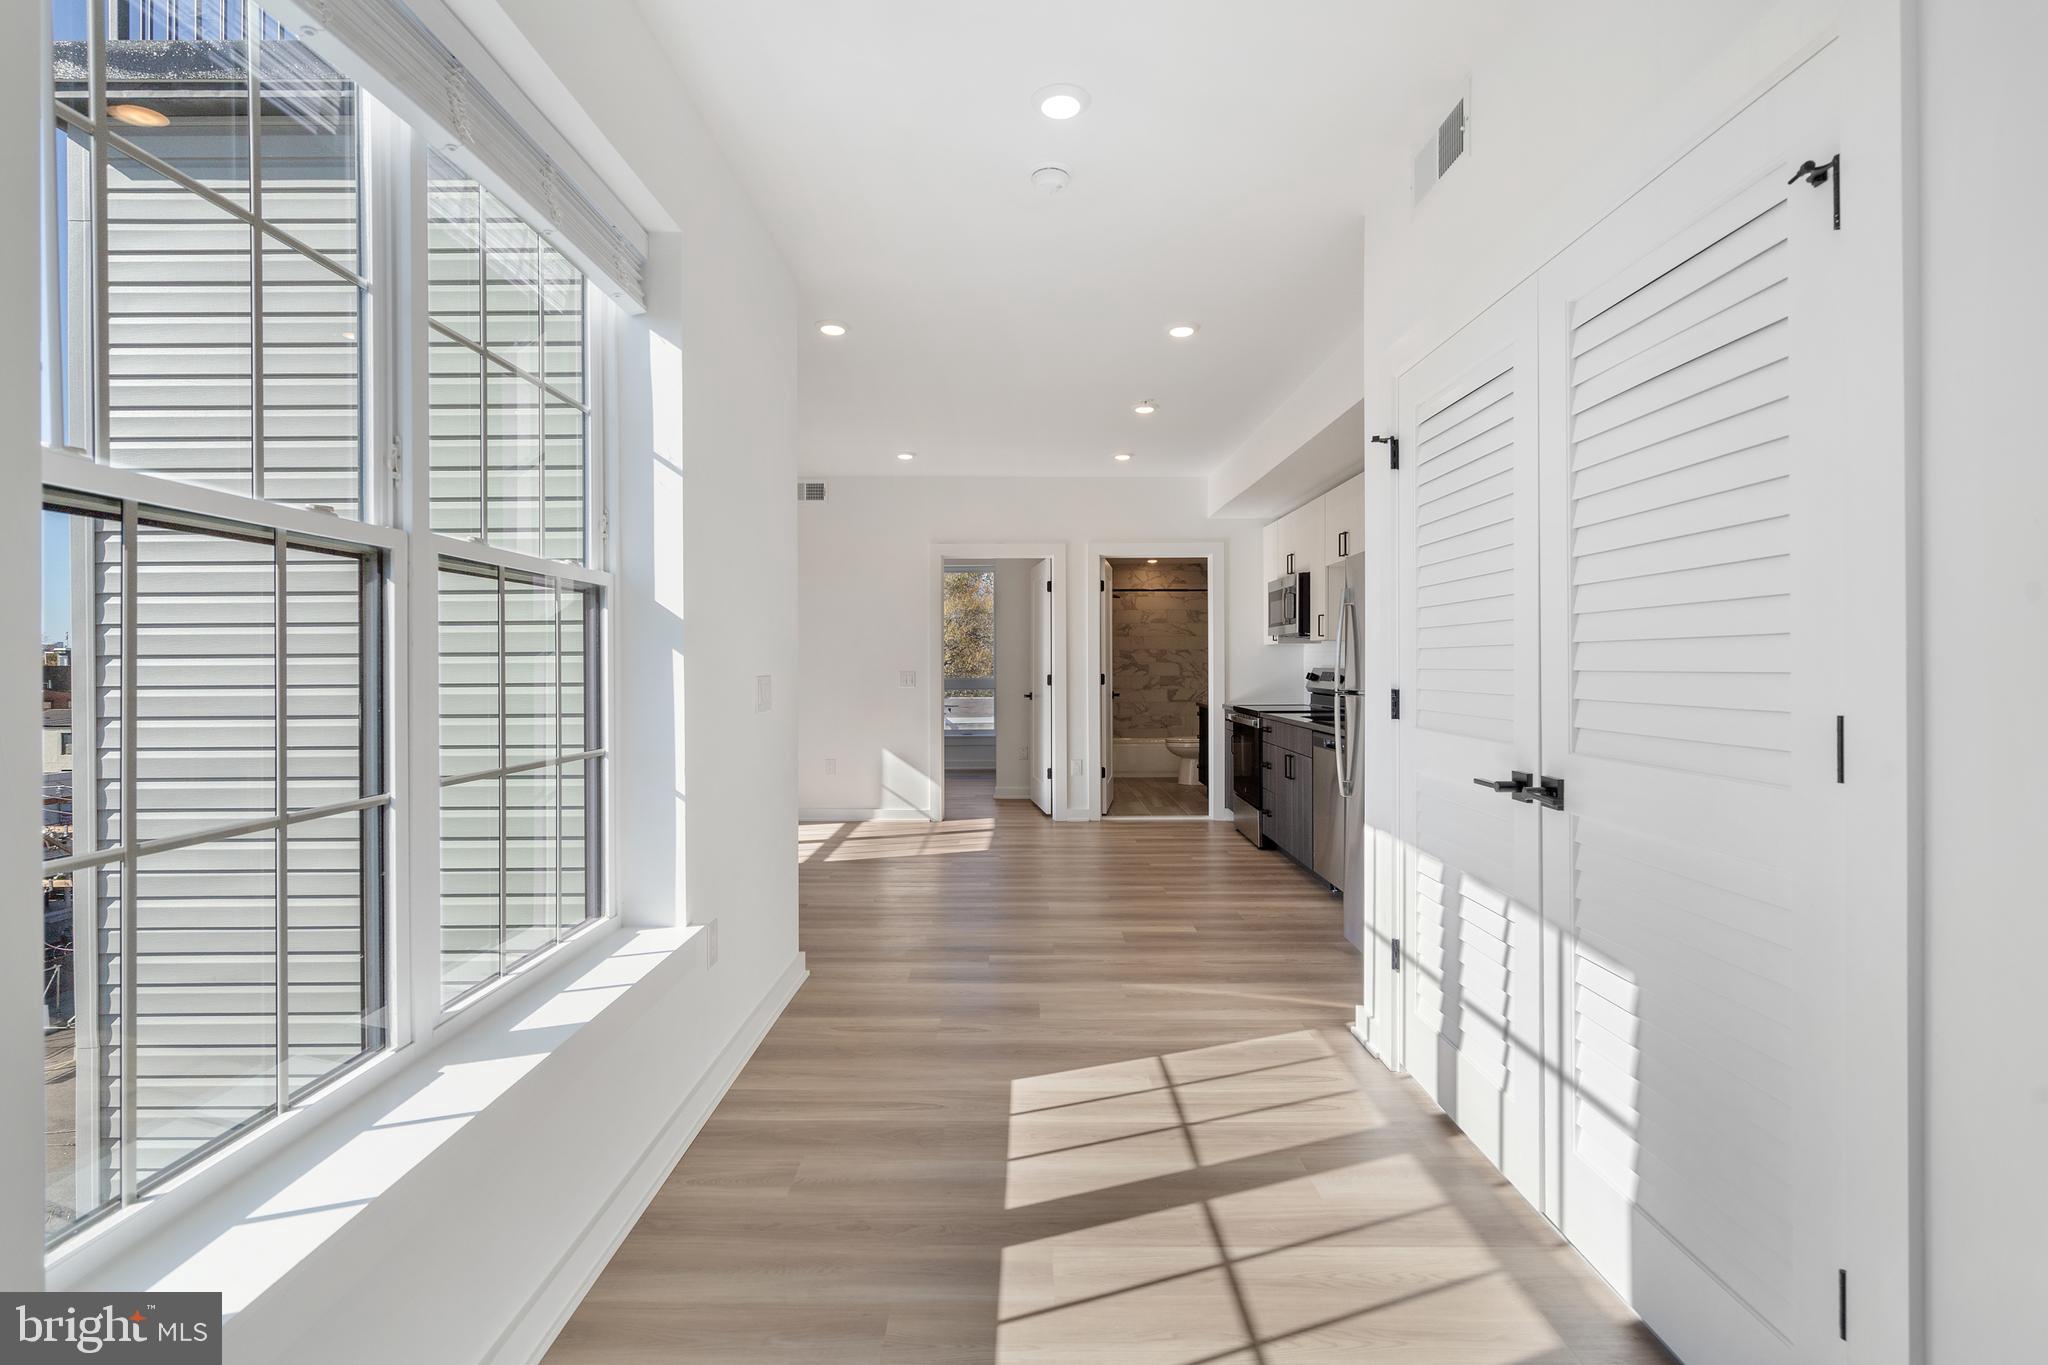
(509, 418)
(519, 768)
(969, 651)
(239, 588)
(212, 840)
(208, 313)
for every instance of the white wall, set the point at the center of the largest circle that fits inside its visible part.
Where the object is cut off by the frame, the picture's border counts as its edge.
(1014, 579)
(864, 605)
(1984, 283)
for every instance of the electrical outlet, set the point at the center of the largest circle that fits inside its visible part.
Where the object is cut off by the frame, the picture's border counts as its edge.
(764, 692)
(1024, 751)
(907, 678)
(711, 943)
(831, 766)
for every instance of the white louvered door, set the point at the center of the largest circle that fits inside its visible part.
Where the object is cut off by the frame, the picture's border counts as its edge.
(1468, 652)
(1691, 562)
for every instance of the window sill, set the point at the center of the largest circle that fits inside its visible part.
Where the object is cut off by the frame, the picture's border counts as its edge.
(241, 1236)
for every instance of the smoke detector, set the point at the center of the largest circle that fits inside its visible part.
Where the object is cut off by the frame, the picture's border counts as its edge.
(1051, 178)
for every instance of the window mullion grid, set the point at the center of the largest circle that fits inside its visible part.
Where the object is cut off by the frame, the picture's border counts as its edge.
(504, 757)
(483, 390)
(251, 47)
(282, 838)
(98, 439)
(555, 602)
(130, 706)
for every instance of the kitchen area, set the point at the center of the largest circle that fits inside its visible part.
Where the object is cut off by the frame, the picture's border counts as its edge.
(1296, 787)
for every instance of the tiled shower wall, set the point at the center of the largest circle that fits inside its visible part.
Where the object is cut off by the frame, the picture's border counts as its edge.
(1162, 647)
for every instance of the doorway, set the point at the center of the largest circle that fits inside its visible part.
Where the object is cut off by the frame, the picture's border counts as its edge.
(996, 645)
(1155, 680)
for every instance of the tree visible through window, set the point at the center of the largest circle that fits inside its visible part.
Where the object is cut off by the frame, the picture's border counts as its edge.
(968, 651)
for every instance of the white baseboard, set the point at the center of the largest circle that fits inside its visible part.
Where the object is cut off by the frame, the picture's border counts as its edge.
(1013, 793)
(527, 1340)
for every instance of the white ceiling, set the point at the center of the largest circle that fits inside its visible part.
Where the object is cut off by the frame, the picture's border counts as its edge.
(1220, 176)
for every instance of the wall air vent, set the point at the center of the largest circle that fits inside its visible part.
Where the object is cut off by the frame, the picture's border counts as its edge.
(810, 490)
(1442, 150)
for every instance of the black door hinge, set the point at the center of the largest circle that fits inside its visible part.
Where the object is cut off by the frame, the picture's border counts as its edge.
(1842, 1303)
(1841, 751)
(1105, 774)
(1818, 173)
(1393, 445)
(1048, 774)
(1397, 953)
(1048, 680)
(1102, 585)
(1395, 710)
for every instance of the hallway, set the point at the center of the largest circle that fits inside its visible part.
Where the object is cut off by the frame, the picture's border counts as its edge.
(1068, 1093)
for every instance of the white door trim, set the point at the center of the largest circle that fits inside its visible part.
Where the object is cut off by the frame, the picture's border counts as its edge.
(935, 677)
(1216, 554)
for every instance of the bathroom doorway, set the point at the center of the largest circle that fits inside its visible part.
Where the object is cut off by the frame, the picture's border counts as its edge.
(1155, 681)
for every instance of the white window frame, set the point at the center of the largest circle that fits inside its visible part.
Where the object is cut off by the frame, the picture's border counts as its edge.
(394, 524)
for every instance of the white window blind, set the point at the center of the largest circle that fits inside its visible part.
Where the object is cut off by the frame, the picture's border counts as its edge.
(390, 52)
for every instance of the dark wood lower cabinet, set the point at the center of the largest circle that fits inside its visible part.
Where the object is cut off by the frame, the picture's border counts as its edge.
(1290, 820)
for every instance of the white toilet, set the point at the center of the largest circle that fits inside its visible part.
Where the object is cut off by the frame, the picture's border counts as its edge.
(1188, 749)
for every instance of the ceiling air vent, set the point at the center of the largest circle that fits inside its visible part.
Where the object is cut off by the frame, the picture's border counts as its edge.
(810, 490)
(1443, 149)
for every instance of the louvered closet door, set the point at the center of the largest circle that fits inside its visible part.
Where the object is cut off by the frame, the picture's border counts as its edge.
(1468, 666)
(1691, 566)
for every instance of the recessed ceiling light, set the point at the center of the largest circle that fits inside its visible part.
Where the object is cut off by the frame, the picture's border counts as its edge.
(1146, 408)
(1181, 331)
(906, 454)
(1123, 455)
(832, 329)
(138, 116)
(1061, 102)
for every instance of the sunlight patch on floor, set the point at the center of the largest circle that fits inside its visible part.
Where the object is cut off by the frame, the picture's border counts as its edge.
(859, 842)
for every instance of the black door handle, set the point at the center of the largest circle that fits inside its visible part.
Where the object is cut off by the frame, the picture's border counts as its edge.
(1545, 791)
(1027, 696)
(1516, 784)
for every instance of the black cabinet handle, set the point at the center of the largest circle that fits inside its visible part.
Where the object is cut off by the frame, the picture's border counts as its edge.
(1516, 784)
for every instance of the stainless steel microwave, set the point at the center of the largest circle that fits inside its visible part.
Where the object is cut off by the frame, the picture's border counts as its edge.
(1287, 616)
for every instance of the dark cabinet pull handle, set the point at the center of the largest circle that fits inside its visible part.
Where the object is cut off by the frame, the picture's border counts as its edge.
(1516, 784)
(1027, 696)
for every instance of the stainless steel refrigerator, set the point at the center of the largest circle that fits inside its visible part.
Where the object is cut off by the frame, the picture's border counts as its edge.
(1347, 590)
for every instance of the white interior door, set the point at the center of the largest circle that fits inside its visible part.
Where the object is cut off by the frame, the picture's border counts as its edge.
(1107, 705)
(1468, 668)
(1041, 687)
(1692, 552)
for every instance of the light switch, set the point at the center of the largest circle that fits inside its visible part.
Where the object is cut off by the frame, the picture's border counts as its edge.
(764, 691)
(907, 678)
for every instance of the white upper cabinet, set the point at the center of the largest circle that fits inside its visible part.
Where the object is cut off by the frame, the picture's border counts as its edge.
(1307, 540)
(1344, 520)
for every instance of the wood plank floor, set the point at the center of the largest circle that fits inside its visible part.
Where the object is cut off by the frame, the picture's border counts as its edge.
(1157, 796)
(1080, 1093)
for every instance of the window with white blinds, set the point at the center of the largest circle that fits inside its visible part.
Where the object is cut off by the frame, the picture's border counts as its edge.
(508, 414)
(213, 840)
(207, 215)
(519, 768)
